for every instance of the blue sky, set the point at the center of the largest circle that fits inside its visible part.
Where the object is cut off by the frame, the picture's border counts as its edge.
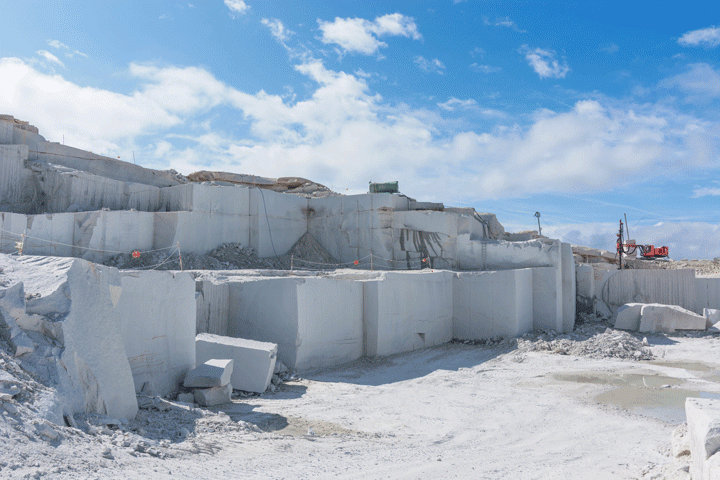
(584, 111)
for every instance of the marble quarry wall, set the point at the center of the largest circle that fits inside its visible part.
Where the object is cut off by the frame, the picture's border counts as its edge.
(320, 321)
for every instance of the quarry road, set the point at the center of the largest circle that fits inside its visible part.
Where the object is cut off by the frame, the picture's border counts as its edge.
(453, 411)
(465, 411)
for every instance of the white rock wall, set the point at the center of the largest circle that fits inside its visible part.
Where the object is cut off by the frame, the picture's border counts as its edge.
(406, 311)
(615, 288)
(277, 222)
(212, 307)
(6, 133)
(707, 293)
(493, 304)
(156, 313)
(315, 322)
(547, 315)
(17, 190)
(75, 190)
(265, 309)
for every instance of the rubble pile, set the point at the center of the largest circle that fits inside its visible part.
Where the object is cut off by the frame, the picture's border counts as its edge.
(590, 339)
(306, 254)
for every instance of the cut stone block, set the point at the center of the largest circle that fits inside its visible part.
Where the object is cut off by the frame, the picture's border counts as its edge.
(315, 322)
(213, 373)
(712, 319)
(159, 336)
(492, 304)
(407, 311)
(703, 419)
(668, 318)
(207, 397)
(186, 398)
(627, 317)
(253, 362)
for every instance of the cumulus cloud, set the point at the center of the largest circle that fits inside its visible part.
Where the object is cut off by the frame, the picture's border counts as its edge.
(357, 35)
(50, 57)
(705, 37)
(427, 65)
(237, 7)
(545, 62)
(700, 81)
(345, 134)
(277, 29)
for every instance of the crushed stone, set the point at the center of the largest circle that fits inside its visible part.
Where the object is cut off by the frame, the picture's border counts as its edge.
(306, 254)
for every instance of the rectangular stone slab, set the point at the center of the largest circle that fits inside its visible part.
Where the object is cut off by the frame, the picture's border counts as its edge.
(668, 318)
(213, 373)
(207, 397)
(253, 362)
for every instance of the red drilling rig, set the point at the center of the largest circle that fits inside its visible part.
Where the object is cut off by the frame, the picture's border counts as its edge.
(647, 252)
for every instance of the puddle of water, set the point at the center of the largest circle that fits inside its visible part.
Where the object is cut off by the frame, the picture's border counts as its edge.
(694, 366)
(648, 395)
(620, 380)
(666, 404)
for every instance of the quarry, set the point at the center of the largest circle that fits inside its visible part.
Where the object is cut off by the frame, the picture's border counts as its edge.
(169, 326)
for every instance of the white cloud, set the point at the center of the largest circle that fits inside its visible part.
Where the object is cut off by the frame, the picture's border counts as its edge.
(705, 37)
(237, 7)
(477, 51)
(476, 67)
(345, 134)
(93, 119)
(277, 29)
(56, 44)
(357, 35)
(50, 57)
(700, 81)
(502, 22)
(454, 103)
(707, 191)
(544, 62)
(427, 65)
(674, 235)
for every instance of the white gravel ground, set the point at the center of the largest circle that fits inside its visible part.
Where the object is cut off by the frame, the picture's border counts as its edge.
(485, 411)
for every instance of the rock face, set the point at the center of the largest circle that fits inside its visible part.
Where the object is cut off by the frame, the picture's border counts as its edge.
(72, 306)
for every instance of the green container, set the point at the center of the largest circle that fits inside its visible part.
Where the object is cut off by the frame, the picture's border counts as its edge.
(388, 187)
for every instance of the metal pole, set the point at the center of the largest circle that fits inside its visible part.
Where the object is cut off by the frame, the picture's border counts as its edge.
(627, 230)
(537, 214)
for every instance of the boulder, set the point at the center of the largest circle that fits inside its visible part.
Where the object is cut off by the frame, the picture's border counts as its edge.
(627, 317)
(669, 318)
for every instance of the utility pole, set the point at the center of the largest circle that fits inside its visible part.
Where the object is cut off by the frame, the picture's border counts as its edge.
(537, 214)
